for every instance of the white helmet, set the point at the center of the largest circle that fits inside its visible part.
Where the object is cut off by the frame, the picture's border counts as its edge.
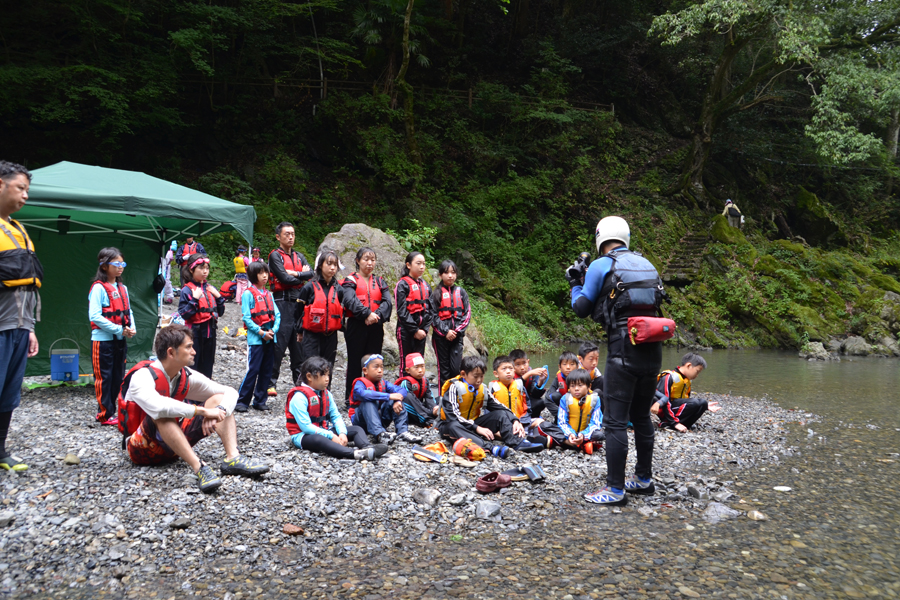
(612, 228)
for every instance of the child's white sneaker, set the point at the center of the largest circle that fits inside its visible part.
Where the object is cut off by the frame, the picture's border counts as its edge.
(409, 438)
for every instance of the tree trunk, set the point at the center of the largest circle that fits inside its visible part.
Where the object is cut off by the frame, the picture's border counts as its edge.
(408, 91)
(893, 132)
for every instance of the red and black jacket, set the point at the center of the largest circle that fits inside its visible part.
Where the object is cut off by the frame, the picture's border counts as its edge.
(362, 300)
(324, 309)
(451, 309)
(286, 286)
(119, 310)
(131, 415)
(206, 306)
(317, 407)
(413, 307)
(263, 310)
(558, 389)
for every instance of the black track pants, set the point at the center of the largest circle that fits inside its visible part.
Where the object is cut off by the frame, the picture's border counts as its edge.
(321, 444)
(496, 421)
(690, 411)
(108, 359)
(286, 340)
(449, 356)
(408, 345)
(319, 344)
(205, 348)
(361, 339)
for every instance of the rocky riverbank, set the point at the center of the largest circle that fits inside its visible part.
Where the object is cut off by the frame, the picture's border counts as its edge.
(106, 523)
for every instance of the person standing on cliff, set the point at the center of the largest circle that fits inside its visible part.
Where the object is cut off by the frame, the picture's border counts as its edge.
(618, 285)
(20, 278)
(289, 272)
(732, 213)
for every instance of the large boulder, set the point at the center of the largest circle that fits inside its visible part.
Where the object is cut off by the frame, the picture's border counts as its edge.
(856, 346)
(890, 311)
(812, 219)
(391, 260)
(814, 351)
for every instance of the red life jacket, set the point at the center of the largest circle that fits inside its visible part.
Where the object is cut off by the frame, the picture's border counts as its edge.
(292, 262)
(263, 310)
(354, 402)
(561, 379)
(206, 306)
(188, 249)
(316, 406)
(451, 304)
(417, 296)
(369, 296)
(131, 415)
(119, 308)
(325, 313)
(416, 386)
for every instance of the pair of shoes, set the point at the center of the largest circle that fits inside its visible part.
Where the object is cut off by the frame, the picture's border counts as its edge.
(261, 406)
(242, 466)
(272, 392)
(386, 437)
(529, 447)
(207, 481)
(13, 463)
(241, 408)
(409, 438)
(636, 485)
(501, 451)
(608, 496)
(492, 482)
(370, 452)
(114, 421)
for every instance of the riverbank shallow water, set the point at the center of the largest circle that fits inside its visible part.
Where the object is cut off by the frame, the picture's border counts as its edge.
(104, 528)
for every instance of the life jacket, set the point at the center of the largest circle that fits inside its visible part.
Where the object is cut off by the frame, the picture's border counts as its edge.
(416, 386)
(580, 411)
(317, 407)
(325, 313)
(19, 266)
(369, 296)
(680, 386)
(563, 387)
(631, 289)
(355, 402)
(451, 303)
(263, 310)
(228, 290)
(188, 249)
(239, 266)
(417, 296)
(470, 402)
(292, 262)
(512, 397)
(131, 415)
(206, 306)
(119, 310)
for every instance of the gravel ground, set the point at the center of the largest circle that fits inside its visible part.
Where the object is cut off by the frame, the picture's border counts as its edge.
(106, 527)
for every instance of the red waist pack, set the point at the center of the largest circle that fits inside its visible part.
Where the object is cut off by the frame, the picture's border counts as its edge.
(642, 330)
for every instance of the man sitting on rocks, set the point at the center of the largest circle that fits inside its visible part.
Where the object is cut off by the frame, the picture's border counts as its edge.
(168, 408)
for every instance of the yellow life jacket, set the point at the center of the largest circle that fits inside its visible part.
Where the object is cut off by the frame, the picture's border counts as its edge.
(239, 265)
(470, 403)
(512, 397)
(19, 265)
(580, 411)
(680, 386)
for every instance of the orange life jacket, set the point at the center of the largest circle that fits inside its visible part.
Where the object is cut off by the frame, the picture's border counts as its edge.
(355, 402)
(292, 262)
(317, 407)
(416, 386)
(512, 397)
(263, 310)
(131, 415)
(119, 309)
(417, 296)
(206, 306)
(325, 313)
(368, 295)
(451, 304)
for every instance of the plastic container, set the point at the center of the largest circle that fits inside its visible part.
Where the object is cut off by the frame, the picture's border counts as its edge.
(64, 362)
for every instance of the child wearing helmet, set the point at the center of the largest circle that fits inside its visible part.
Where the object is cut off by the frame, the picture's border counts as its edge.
(619, 285)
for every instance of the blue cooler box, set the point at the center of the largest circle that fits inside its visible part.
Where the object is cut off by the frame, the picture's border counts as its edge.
(64, 364)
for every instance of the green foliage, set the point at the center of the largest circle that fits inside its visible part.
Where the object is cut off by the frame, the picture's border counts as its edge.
(420, 238)
(502, 332)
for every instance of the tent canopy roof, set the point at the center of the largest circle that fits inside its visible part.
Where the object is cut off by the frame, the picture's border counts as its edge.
(71, 198)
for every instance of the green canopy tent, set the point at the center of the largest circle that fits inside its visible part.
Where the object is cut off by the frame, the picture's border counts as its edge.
(74, 210)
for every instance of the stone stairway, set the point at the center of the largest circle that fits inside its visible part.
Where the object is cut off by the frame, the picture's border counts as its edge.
(684, 263)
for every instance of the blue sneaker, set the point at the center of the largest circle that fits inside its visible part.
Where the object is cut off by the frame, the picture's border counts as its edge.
(636, 485)
(529, 447)
(501, 451)
(607, 496)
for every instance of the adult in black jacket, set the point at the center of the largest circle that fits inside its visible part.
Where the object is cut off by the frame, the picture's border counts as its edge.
(367, 300)
(289, 272)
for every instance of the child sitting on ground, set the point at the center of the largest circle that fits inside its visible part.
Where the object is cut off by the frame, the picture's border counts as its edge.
(497, 431)
(674, 406)
(375, 403)
(580, 414)
(568, 362)
(313, 419)
(418, 401)
(531, 379)
(510, 392)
